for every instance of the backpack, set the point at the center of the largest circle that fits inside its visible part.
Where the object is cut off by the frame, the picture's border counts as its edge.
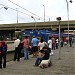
(3, 47)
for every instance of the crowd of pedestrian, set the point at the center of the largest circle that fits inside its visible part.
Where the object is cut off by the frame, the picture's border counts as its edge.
(37, 47)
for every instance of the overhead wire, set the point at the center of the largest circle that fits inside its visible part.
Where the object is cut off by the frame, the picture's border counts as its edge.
(17, 10)
(24, 9)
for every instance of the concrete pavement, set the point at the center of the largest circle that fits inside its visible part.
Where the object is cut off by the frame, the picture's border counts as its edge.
(64, 66)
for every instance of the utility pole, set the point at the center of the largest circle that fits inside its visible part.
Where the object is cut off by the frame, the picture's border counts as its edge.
(44, 13)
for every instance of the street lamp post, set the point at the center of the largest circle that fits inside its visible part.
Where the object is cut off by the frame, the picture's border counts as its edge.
(4, 8)
(59, 19)
(35, 22)
(44, 13)
(17, 15)
(68, 16)
(17, 21)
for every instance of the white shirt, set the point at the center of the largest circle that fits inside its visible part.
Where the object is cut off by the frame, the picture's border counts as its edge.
(50, 43)
(56, 40)
(16, 43)
(41, 45)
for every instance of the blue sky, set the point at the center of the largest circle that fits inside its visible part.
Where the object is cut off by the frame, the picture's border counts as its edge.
(35, 8)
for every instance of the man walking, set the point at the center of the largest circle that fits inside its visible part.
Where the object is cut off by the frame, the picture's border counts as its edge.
(17, 51)
(26, 45)
(34, 43)
(3, 50)
(50, 46)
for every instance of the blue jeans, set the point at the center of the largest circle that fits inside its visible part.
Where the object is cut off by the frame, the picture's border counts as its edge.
(26, 53)
(38, 61)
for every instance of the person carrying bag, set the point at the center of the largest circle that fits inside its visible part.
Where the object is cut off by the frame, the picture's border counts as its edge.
(3, 51)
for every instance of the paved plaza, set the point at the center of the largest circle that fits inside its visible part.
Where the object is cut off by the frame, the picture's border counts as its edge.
(63, 66)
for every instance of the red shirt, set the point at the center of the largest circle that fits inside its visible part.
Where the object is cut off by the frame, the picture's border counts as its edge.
(64, 39)
(25, 43)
